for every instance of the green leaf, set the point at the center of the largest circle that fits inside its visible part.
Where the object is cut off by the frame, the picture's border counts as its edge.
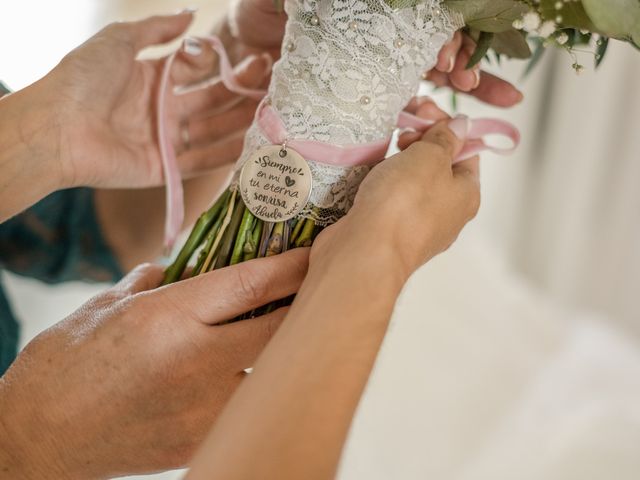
(573, 14)
(536, 57)
(602, 44)
(616, 18)
(482, 47)
(493, 16)
(512, 44)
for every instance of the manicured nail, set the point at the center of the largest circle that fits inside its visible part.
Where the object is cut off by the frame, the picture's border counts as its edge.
(191, 46)
(476, 72)
(460, 126)
(452, 64)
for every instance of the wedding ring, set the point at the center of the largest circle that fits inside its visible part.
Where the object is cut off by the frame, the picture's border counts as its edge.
(185, 135)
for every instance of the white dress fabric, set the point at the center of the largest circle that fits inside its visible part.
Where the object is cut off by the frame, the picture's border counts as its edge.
(348, 68)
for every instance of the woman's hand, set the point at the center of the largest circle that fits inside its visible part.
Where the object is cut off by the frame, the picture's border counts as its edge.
(106, 106)
(92, 120)
(451, 71)
(413, 205)
(257, 25)
(408, 209)
(133, 380)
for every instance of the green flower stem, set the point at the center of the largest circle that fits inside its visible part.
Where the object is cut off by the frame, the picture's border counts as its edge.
(274, 246)
(204, 253)
(243, 231)
(230, 235)
(209, 263)
(296, 230)
(306, 236)
(252, 244)
(197, 236)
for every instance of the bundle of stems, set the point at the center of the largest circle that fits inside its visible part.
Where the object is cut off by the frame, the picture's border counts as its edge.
(228, 233)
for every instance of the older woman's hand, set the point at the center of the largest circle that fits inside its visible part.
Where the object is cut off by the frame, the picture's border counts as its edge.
(92, 120)
(106, 106)
(132, 381)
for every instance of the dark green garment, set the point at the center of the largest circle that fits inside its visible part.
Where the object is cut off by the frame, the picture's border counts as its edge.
(56, 240)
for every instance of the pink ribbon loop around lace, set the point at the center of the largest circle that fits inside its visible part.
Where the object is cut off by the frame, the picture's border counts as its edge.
(320, 152)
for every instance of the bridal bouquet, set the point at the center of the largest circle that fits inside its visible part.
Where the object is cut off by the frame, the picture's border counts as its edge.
(348, 69)
(508, 27)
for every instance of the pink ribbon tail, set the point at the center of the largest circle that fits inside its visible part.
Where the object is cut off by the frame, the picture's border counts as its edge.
(475, 142)
(175, 194)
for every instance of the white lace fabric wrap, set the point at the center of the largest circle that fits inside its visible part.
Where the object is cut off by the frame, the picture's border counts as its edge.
(348, 68)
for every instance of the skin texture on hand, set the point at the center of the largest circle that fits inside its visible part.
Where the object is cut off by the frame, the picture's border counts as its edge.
(410, 208)
(92, 121)
(132, 381)
(112, 136)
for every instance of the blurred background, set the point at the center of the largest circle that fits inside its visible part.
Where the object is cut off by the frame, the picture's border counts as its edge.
(517, 353)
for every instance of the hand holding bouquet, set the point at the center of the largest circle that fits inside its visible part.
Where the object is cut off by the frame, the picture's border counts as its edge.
(348, 69)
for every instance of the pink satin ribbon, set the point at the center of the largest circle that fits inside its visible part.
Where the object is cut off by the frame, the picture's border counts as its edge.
(175, 194)
(274, 130)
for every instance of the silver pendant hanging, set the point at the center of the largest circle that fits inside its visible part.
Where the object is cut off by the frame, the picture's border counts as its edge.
(275, 183)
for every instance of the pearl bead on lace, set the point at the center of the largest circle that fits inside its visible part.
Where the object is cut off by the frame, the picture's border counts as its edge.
(364, 100)
(315, 21)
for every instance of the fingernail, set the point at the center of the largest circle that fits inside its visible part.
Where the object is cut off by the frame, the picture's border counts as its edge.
(520, 96)
(452, 64)
(476, 72)
(460, 126)
(268, 59)
(191, 46)
(189, 10)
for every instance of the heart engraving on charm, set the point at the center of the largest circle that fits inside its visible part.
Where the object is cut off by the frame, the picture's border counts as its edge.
(275, 183)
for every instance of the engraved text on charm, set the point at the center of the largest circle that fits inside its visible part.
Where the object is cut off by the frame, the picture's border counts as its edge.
(275, 183)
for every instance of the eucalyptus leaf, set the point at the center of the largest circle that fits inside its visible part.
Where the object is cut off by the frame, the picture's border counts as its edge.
(538, 53)
(493, 16)
(512, 44)
(484, 43)
(573, 14)
(616, 18)
(603, 45)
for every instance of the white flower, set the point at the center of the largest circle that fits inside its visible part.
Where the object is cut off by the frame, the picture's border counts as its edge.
(562, 38)
(547, 29)
(531, 21)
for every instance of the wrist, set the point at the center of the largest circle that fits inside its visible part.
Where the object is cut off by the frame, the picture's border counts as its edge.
(368, 254)
(21, 457)
(31, 142)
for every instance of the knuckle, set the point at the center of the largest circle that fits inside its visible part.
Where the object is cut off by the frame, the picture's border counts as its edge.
(251, 284)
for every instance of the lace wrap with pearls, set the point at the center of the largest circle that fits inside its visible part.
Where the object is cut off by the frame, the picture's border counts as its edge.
(348, 68)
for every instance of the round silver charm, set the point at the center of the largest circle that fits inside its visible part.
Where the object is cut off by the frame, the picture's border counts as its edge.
(275, 183)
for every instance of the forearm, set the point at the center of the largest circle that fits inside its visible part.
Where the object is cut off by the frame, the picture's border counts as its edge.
(290, 418)
(30, 145)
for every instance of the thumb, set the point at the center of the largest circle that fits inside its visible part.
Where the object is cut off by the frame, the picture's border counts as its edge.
(450, 135)
(155, 30)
